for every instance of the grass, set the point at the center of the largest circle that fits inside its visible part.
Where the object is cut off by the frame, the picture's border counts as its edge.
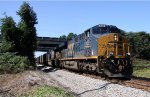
(141, 68)
(47, 91)
(142, 73)
(141, 62)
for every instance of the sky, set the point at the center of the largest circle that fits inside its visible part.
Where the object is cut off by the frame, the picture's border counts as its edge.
(57, 18)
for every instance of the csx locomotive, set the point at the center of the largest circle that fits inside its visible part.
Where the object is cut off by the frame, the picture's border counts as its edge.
(100, 49)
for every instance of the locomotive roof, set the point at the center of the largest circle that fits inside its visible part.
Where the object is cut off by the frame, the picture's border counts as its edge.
(96, 26)
(102, 25)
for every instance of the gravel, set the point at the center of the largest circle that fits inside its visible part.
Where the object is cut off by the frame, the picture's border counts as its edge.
(83, 86)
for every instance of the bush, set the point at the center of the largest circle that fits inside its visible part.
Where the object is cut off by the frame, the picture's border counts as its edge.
(145, 54)
(11, 63)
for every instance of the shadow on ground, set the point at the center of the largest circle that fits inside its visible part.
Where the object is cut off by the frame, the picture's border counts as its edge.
(103, 87)
(49, 69)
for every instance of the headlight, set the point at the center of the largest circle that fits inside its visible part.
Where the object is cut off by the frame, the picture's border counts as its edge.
(115, 37)
(128, 54)
(111, 54)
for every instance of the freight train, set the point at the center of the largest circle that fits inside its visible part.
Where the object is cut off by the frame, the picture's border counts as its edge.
(101, 49)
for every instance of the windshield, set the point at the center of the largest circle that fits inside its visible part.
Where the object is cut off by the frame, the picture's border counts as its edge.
(103, 29)
(99, 30)
(114, 30)
(96, 30)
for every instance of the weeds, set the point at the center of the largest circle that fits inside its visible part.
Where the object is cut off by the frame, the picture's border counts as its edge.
(47, 91)
(141, 68)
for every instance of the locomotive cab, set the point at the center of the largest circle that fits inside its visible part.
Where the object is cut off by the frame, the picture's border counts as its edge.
(114, 53)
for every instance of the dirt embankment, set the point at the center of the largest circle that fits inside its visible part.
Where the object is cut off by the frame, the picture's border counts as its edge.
(16, 84)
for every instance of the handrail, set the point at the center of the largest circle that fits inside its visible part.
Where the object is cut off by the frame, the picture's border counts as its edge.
(116, 48)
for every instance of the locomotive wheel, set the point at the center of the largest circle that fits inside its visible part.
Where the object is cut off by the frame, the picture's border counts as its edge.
(99, 71)
(61, 65)
(53, 63)
(80, 66)
(92, 67)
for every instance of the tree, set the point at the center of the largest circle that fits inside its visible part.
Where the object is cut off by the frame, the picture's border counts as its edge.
(70, 36)
(140, 43)
(27, 26)
(63, 37)
(10, 35)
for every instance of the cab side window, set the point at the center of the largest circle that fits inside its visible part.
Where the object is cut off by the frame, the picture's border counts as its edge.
(87, 33)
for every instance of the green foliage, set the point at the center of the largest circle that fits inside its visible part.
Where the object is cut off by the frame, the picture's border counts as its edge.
(27, 14)
(69, 36)
(8, 28)
(63, 37)
(47, 91)
(19, 41)
(27, 26)
(142, 72)
(10, 63)
(145, 54)
(141, 44)
(6, 46)
(141, 68)
(10, 35)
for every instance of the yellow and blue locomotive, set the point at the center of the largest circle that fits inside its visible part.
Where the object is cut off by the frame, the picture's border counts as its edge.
(100, 49)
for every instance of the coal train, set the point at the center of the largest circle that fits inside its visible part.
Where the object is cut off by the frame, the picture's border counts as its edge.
(100, 49)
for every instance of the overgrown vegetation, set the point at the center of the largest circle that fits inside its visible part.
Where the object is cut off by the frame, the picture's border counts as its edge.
(141, 68)
(47, 91)
(18, 41)
(142, 72)
(11, 63)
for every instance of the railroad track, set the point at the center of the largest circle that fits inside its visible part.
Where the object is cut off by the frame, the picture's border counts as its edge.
(139, 83)
(134, 82)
